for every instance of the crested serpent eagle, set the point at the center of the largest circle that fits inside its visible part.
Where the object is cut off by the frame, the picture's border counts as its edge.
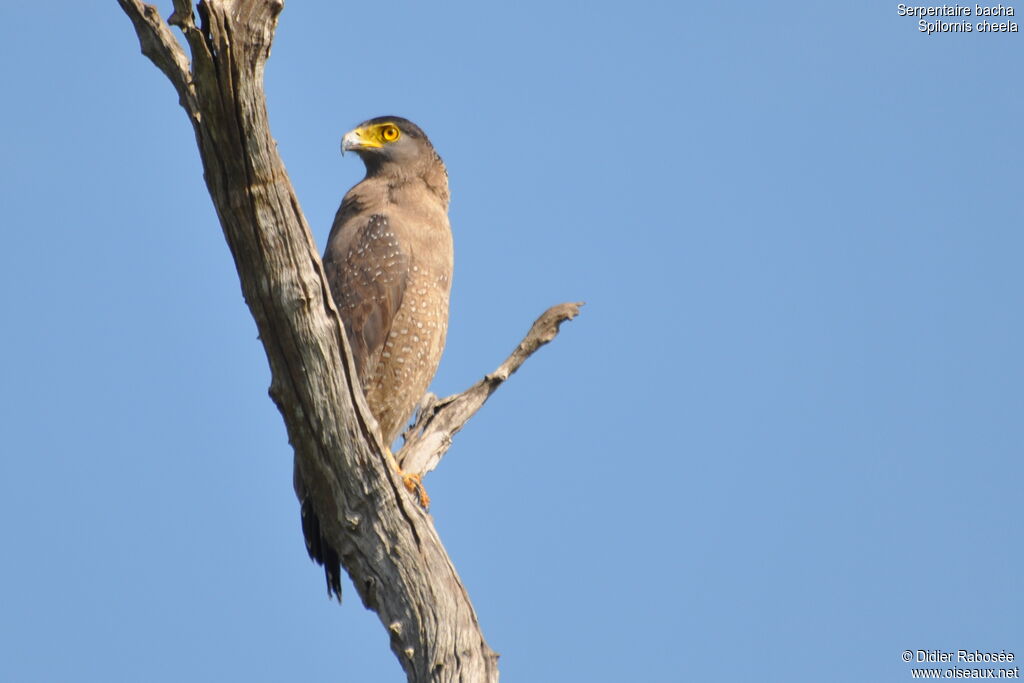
(389, 266)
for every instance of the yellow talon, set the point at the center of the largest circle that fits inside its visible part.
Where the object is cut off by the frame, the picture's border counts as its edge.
(414, 483)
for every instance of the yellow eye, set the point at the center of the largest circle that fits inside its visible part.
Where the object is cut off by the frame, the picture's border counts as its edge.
(390, 133)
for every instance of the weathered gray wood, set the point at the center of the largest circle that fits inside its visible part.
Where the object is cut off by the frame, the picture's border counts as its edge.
(438, 421)
(384, 540)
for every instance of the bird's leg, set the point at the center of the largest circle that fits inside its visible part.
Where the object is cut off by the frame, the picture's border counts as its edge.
(413, 482)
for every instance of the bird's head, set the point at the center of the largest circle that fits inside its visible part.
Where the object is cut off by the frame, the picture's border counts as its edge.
(388, 140)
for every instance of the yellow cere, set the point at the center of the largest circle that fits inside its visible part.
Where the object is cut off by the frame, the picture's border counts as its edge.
(378, 134)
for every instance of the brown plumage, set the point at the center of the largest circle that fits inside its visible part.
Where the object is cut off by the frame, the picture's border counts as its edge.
(389, 265)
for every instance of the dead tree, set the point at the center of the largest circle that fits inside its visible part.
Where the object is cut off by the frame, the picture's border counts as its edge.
(383, 539)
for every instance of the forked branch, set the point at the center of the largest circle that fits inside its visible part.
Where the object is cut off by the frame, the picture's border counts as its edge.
(366, 519)
(438, 420)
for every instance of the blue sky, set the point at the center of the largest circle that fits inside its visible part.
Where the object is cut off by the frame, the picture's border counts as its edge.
(781, 443)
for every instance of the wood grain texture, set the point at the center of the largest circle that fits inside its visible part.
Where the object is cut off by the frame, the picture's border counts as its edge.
(438, 420)
(384, 540)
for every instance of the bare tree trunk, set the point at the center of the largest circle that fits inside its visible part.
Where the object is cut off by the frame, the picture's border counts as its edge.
(367, 520)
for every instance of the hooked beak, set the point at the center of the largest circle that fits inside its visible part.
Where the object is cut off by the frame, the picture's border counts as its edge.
(356, 140)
